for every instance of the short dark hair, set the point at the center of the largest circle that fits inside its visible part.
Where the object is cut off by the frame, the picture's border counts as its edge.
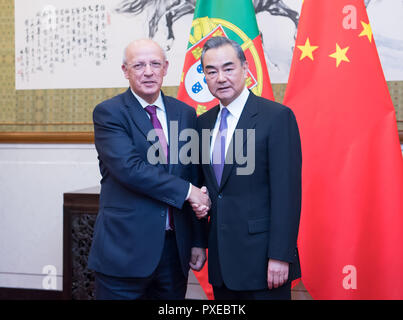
(217, 42)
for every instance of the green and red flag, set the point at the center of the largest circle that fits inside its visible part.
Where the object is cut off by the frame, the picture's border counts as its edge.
(351, 229)
(234, 19)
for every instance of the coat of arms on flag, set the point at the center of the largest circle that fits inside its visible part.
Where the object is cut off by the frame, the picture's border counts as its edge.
(193, 88)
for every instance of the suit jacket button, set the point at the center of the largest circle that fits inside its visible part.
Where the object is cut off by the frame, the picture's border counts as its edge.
(220, 196)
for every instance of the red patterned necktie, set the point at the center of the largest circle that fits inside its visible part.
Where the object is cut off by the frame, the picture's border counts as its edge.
(152, 111)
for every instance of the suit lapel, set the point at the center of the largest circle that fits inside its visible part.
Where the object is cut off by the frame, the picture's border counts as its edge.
(139, 116)
(210, 126)
(246, 121)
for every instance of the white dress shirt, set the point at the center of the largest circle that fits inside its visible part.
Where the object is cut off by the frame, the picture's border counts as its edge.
(235, 109)
(162, 117)
(161, 113)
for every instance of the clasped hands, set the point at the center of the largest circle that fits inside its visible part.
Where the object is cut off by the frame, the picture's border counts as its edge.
(200, 201)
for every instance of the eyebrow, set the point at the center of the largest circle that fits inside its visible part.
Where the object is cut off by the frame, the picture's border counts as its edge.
(224, 65)
(142, 61)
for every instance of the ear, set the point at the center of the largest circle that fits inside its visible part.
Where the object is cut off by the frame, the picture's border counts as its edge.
(125, 71)
(245, 68)
(166, 64)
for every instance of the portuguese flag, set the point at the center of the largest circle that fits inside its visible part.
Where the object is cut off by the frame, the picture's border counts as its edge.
(234, 19)
(351, 230)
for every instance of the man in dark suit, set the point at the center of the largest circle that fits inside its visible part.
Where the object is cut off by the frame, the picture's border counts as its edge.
(146, 235)
(255, 211)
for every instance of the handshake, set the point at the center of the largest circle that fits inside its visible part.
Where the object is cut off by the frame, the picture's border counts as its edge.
(200, 201)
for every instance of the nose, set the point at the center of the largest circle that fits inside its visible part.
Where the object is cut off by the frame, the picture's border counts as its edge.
(220, 76)
(147, 69)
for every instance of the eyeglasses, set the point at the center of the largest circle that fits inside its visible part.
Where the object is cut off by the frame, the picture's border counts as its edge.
(140, 66)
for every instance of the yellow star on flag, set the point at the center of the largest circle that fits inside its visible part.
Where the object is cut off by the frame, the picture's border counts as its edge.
(200, 109)
(367, 31)
(307, 50)
(340, 55)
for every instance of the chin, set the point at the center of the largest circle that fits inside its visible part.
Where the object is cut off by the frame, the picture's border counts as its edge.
(225, 99)
(151, 92)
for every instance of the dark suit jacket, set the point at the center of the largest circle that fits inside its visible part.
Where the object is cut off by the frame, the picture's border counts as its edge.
(255, 217)
(130, 227)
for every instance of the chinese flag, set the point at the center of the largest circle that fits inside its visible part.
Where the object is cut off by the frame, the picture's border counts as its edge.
(351, 230)
(237, 21)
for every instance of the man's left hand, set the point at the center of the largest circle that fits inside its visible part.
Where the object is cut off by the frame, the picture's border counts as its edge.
(277, 273)
(198, 258)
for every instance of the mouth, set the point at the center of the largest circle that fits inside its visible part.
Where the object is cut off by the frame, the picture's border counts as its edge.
(149, 83)
(222, 89)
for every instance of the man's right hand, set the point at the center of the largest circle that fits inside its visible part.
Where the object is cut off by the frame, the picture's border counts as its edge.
(200, 201)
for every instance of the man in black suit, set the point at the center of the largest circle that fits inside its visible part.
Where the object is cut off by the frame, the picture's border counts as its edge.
(146, 235)
(255, 211)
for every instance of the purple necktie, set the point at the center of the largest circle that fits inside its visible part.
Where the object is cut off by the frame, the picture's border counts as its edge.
(218, 157)
(152, 111)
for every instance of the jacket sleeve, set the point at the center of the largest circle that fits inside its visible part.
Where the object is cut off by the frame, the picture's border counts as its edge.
(285, 162)
(118, 152)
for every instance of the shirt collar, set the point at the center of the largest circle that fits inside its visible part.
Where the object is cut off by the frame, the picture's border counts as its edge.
(158, 103)
(235, 107)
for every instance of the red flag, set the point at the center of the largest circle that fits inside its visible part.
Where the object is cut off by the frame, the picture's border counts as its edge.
(351, 229)
(237, 21)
